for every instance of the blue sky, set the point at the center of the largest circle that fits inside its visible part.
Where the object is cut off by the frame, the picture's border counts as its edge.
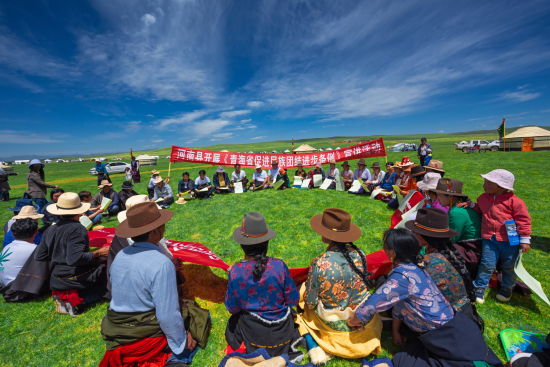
(104, 76)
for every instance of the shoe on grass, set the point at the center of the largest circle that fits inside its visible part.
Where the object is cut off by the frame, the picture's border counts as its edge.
(480, 295)
(504, 296)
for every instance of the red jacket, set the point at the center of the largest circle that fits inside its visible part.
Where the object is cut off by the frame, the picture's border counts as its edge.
(495, 209)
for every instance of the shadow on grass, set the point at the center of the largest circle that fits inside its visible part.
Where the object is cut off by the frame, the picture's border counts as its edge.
(201, 282)
(518, 300)
(540, 243)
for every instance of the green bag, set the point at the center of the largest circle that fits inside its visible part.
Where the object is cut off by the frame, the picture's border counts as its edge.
(197, 321)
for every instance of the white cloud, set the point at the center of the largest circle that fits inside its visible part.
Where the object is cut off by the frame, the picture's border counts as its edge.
(148, 19)
(26, 137)
(519, 95)
(258, 138)
(183, 118)
(208, 127)
(221, 136)
(157, 140)
(246, 121)
(255, 104)
(236, 113)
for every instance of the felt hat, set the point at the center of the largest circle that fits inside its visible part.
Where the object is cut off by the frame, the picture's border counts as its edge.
(132, 201)
(449, 186)
(335, 224)
(253, 230)
(68, 203)
(501, 177)
(361, 161)
(155, 172)
(142, 218)
(375, 165)
(104, 183)
(345, 164)
(258, 166)
(435, 165)
(299, 164)
(35, 161)
(417, 170)
(431, 222)
(127, 185)
(220, 170)
(429, 182)
(28, 211)
(158, 180)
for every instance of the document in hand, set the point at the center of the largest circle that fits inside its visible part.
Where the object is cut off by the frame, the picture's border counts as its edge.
(339, 183)
(317, 180)
(528, 279)
(355, 186)
(326, 183)
(204, 189)
(86, 222)
(239, 188)
(277, 185)
(305, 183)
(297, 181)
(105, 202)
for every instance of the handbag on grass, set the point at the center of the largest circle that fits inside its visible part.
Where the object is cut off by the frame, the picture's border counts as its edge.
(197, 321)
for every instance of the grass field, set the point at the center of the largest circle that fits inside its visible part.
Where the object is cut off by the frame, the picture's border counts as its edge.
(33, 335)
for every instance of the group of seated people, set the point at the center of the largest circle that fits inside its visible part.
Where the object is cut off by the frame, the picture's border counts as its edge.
(429, 295)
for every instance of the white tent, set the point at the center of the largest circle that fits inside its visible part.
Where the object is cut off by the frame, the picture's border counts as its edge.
(528, 138)
(286, 151)
(146, 160)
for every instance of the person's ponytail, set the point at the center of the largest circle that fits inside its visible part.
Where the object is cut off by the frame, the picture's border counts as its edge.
(363, 274)
(259, 253)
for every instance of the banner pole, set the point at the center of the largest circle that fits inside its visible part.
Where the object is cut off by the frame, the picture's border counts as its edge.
(169, 170)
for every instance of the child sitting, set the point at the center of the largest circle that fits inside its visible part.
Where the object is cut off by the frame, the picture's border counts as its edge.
(497, 205)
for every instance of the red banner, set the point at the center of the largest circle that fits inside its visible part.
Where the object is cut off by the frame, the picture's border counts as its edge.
(374, 148)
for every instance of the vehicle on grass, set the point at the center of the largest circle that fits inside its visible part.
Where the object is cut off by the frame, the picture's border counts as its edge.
(61, 161)
(8, 169)
(478, 145)
(403, 147)
(113, 167)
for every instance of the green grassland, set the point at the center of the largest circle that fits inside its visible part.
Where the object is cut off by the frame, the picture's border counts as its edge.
(33, 335)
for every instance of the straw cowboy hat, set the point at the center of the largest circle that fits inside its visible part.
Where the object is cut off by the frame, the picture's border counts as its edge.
(68, 203)
(253, 230)
(431, 222)
(158, 180)
(335, 224)
(28, 211)
(155, 172)
(142, 218)
(449, 186)
(104, 183)
(132, 201)
(429, 182)
(181, 201)
(258, 166)
(501, 177)
(435, 165)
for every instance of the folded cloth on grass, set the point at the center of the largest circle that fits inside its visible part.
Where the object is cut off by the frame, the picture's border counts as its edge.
(148, 352)
(258, 358)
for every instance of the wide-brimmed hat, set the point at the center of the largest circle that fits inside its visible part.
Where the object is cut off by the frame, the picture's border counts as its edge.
(158, 180)
(258, 166)
(35, 161)
(127, 185)
(220, 170)
(28, 211)
(417, 171)
(299, 164)
(132, 201)
(405, 162)
(431, 222)
(335, 224)
(142, 218)
(375, 165)
(435, 165)
(253, 230)
(104, 183)
(155, 172)
(361, 161)
(429, 182)
(68, 203)
(345, 164)
(181, 201)
(501, 177)
(449, 186)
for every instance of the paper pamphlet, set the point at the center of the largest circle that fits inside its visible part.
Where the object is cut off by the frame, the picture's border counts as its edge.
(86, 222)
(339, 184)
(528, 279)
(223, 188)
(317, 180)
(105, 202)
(238, 188)
(297, 181)
(278, 184)
(355, 186)
(404, 200)
(364, 185)
(204, 189)
(377, 192)
(305, 183)
(410, 215)
(326, 183)
(186, 195)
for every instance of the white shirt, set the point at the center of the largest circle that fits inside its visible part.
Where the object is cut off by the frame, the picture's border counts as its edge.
(199, 181)
(334, 174)
(238, 177)
(13, 257)
(262, 176)
(365, 175)
(378, 180)
(274, 172)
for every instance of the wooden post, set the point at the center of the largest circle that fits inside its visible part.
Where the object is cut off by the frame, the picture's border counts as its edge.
(167, 179)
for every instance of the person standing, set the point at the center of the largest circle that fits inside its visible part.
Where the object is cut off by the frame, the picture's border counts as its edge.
(4, 186)
(36, 187)
(102, 173)
(134, 168)
(424, 152)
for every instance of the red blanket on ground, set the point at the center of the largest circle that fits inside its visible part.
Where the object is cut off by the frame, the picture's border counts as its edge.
(149, 352)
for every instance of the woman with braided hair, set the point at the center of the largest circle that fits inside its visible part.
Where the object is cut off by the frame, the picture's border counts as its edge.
(260, 294)
(338, 282)
(445, 338)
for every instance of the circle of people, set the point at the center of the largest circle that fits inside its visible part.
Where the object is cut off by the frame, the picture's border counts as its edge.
(442, 261)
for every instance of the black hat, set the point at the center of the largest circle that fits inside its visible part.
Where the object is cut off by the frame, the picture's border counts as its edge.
(431, 222)
(127, 185)
(417, 171)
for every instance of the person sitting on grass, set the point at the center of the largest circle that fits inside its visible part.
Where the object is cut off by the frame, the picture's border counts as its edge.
(126, 192)
(260, 295)
(442, 263)
(221, 181)
(151, 183)
(27, 212)
(203, 188)
(78, 275)
(389, 178)
(376, 177)
(333, 173)
(318, 170)
(415, 173)
(106, 191)
(497, 205)
(93, 214)
(445, 338)
(143, 323)
(274, 172)
(300, 171)
(186, 185)
(50, 218)
(239, 176)
(284, 177)
(337, 283)
(260, 179)
(347, 176)
(163, 194)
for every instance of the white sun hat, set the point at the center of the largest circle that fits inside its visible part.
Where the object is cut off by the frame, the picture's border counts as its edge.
(501, 177)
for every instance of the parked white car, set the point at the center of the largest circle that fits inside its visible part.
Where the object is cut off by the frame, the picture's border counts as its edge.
(113, 167)
(482, 144)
